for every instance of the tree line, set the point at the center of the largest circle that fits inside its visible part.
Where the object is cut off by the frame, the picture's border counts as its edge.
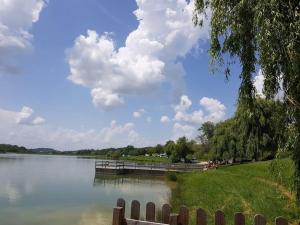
(246, 136)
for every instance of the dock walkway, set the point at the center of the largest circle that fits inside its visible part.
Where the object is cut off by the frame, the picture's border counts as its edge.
(125, 167)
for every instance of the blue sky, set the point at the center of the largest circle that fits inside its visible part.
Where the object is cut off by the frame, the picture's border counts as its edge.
(75, 82)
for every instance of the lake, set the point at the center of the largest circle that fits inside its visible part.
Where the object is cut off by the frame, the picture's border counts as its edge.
(63, 190)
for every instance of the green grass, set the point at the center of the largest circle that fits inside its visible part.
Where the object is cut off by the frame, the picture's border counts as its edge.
(146, 159)
(248, 188)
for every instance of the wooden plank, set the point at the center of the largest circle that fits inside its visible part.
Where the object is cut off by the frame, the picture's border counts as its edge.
(118, 216)
(259, 220)
(135, 210)
(150, 212)
(174, 219)
(166, 211)
(183, 216)
(281, 221)
(219, 218)
(201, 218)
(239, 219)
(139, 222)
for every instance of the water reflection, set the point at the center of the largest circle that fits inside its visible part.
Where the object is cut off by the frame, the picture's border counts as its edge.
(101, 179)
(63, 190)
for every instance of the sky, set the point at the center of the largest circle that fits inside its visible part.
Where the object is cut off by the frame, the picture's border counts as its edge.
(77, 74)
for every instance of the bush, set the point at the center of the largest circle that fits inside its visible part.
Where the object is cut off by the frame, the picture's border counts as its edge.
(172, 176)
(116, 155)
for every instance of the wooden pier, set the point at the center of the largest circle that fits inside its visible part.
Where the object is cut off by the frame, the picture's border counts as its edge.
(125, 167)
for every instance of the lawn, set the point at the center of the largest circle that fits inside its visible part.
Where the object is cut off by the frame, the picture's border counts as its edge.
(247, 188)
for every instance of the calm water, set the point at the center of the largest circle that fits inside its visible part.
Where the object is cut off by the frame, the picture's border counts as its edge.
(59, 190)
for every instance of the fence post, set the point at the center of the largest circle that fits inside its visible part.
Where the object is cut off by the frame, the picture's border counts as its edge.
(219, 218)
(183, 216)
(166, 212)
(150, 212)
(118, 216)
(174, 219)
(281, 221)
(135, 210)
(259, 220)
(239, 219)
(201, 217)
(121, 203)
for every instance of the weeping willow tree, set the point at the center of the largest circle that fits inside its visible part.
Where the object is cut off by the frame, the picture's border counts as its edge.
(265, 34)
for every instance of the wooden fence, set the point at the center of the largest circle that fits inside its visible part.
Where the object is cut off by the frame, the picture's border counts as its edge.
(182, 218)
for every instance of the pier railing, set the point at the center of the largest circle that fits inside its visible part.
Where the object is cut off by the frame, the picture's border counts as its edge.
(110, 164)
(181, 218)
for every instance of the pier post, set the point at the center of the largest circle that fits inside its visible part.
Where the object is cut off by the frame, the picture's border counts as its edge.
(118, 216)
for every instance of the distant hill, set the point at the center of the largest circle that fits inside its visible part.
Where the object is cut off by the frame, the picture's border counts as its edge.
(5, 148)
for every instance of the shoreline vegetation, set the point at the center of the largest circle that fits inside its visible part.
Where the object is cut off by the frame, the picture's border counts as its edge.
(249, 188)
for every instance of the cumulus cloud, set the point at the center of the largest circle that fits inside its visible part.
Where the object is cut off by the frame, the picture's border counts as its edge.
(180, 130)
(187, 122)
(26, 116)
(258, 83)
(139, 113)
(213, 110)
(164, 119)
(151, 54)
(16, 19)
(14, 129)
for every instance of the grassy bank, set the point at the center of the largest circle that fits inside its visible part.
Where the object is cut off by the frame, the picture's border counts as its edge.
(247, 188)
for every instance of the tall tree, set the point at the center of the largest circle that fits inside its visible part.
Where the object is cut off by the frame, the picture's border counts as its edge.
(170, 147)
(206, 132)
(264, 33)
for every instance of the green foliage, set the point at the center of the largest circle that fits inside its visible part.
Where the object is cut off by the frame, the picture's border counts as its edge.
(5, 148)
(169, 147)
(265, 34)
(172, 176)
(251, 136)
(282, 171)
(116, 155)
(159, 149)
(206, 132)
(179, 150)
(246, 188)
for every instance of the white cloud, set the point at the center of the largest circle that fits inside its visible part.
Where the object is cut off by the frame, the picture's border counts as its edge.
(150, 56)
(180, 130)
(149, 119)
(39, 120)
(14, 129)
(16, 20)
(164, 119)
(187, 122)
(26, 116)
(185, 104)
(136, 114)
(139, 113)
(213, 110)
(105, 98)
(258, 83)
